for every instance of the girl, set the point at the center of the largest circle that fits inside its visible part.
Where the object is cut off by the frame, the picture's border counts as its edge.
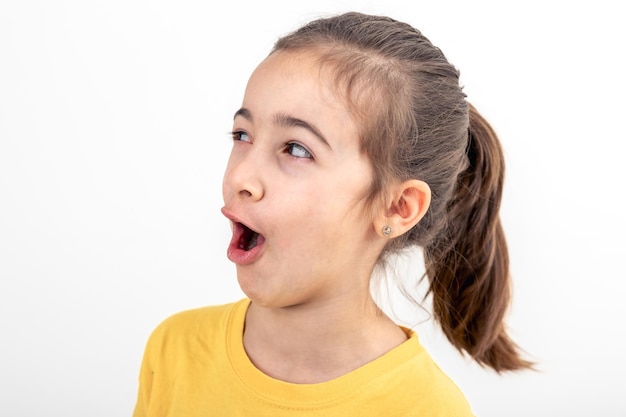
(354, 140)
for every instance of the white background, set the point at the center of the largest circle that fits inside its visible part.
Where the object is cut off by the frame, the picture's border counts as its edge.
(113, 121)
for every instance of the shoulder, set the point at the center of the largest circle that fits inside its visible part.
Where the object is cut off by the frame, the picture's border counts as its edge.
(198, 324)
(428, 388)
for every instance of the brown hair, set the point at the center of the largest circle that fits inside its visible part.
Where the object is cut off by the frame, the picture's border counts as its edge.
(417, 124)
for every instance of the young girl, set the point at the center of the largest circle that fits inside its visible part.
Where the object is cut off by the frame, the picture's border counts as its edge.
(354, 140)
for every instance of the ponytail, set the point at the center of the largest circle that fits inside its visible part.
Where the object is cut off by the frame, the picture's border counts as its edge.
(468, 264)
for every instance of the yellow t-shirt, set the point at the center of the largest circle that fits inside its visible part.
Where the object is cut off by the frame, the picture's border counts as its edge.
(195, 365)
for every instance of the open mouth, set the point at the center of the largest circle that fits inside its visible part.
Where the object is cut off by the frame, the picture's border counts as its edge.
(248, 238)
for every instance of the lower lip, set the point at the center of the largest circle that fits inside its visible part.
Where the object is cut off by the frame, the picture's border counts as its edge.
(243, 257)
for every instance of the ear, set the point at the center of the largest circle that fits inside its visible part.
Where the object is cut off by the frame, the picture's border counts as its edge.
(407, 204)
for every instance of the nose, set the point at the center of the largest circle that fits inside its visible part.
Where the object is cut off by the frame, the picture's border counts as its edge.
(243, 176)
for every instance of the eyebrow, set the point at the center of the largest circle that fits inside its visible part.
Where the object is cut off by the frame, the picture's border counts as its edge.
(285, 120)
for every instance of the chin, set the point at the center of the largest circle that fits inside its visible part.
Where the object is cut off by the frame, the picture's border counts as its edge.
(253, 290)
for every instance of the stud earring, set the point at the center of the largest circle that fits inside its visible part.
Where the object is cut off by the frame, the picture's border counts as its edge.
(386, 231)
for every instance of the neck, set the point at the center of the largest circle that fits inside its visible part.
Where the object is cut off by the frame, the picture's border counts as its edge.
(316, 342)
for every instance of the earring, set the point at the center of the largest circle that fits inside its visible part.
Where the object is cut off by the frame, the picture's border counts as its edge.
(386, 230)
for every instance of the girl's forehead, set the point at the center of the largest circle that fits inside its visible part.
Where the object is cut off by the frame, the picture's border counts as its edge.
(290, 74)
(331, 74)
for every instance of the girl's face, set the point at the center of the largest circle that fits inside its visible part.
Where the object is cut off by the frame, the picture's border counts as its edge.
(294, 188)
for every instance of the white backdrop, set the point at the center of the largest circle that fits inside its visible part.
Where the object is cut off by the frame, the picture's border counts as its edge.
(113, 121)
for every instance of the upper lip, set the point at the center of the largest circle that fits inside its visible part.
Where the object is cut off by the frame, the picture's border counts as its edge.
(229, 214)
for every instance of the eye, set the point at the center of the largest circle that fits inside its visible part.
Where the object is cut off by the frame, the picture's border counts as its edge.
(240, 136)
(298, 151)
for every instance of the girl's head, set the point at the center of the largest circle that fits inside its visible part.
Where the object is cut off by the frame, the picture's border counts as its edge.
(415, 124)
